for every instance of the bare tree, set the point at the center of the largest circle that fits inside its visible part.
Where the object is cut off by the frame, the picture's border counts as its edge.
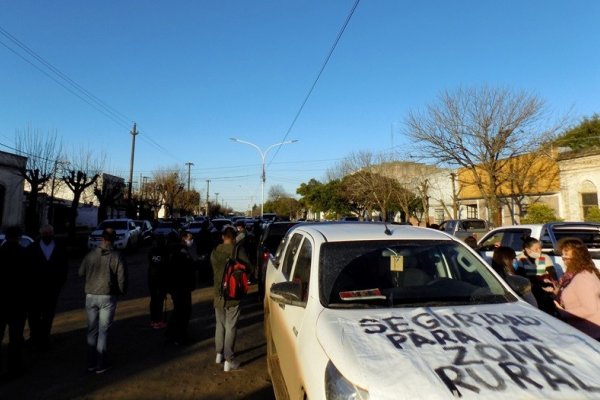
(479, 129)
(151, 194)
(43, 152)
(170, 185)
(82, 172)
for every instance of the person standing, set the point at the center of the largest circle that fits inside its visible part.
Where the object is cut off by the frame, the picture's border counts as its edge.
(577, 294)
(537, 267)
(105, 275)
(227, 312)
(503, 261)
(49, 264)
(158, 258)
(181, 282)
(14, 291)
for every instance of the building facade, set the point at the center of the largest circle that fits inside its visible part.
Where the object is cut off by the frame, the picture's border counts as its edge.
(11, 189)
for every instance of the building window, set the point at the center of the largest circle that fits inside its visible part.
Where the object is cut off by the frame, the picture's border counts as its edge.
(589, 198)
(439, 215)
(472, 211)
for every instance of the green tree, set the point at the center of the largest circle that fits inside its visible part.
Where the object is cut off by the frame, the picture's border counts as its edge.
(539, 213)
(326, 197)
(593, 215)
(584, 135)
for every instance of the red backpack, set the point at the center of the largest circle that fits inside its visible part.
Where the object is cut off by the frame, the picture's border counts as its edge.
(235, 284)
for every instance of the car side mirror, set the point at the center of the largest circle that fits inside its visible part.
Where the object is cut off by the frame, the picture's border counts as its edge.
(289, 293)
(519, 284)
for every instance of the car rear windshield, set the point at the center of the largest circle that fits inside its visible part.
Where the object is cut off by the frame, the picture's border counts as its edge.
(114, 225)
(405, 274)
(589, 236)
(473, 225)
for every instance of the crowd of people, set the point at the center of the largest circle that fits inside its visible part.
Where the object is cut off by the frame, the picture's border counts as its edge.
(176, 264)
(574, 297)
(31, 279)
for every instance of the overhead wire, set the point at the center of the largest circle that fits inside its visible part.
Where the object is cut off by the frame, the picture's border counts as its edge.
(75, 88)
(316, 80)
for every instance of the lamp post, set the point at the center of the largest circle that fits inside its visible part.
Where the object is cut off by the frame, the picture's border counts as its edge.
(263, 155)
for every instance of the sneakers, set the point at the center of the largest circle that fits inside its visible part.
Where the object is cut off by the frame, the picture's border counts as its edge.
(219, 358)
(231, 365)
(103, 369)
(158, 325)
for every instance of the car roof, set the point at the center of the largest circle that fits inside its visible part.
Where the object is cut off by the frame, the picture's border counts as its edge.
(349, 231)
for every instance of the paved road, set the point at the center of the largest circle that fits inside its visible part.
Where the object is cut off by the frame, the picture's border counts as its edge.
(145, 366)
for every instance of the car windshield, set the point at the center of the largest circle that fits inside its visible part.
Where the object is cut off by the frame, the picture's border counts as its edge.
(113, 224)
(405, 274)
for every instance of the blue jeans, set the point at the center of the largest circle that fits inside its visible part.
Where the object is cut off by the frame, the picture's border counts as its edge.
(100, 311)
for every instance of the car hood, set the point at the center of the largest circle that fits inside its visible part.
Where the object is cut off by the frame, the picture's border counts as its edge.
(486, 351)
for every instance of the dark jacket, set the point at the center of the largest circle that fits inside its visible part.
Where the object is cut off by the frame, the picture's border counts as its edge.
(15, 286)
(105, 272)
(181, 270)
(48, 274)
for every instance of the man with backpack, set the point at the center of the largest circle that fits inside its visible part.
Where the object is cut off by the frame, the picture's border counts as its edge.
(223, 259)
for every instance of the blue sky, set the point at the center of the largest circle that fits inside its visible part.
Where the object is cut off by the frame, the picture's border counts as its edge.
(192, 74)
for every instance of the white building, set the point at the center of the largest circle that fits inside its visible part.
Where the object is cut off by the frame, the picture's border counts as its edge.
(11, 189)
(579, 183)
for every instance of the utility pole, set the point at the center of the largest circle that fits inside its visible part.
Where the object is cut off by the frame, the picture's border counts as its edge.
(217, 197)
(189, 165)
(134, 133)
(207, 192)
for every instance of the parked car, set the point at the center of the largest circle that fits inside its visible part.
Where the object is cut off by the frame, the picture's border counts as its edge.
(165, 228)
(462, 228)
(549, 234)
(367, 311)
(268, 217)
(195, 227)
(25, 240)
(145, 228)
(219, 223)
(128, 236)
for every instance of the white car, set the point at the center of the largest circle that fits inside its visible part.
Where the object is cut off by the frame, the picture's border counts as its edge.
(24, 241)
(365, 311)
(548, 234)
(128, 235)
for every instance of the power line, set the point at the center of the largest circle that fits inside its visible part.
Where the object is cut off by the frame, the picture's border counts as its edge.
(65, 77)
(335, 43)
(73, 87)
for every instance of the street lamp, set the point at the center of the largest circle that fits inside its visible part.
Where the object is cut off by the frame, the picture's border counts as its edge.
(263, 155)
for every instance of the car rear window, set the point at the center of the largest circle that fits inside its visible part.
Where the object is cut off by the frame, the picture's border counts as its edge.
(114, 225)
(589, 236)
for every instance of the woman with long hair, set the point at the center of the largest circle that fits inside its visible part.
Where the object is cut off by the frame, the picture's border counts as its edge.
(503, 262)
(577, 294)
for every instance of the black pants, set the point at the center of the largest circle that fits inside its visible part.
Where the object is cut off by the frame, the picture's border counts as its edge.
(157, 301)
(15, 320)
(180, 317)
(41, 315)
